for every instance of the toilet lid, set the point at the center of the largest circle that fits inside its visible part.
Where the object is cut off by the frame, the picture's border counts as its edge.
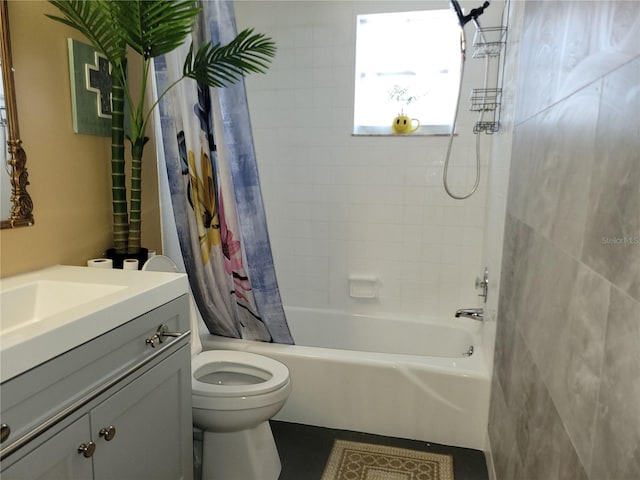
(274, 373)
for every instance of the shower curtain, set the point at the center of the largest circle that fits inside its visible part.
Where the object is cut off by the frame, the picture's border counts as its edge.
(215, 194)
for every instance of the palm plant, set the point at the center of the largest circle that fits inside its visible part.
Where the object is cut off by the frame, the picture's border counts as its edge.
(151, 28)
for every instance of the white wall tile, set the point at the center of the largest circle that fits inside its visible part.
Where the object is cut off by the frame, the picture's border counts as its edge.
(341, 205)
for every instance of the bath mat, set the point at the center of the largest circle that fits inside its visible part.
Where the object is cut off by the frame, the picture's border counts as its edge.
(364, 461)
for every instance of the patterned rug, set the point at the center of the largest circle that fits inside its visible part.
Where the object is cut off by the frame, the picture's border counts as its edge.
(364, 461)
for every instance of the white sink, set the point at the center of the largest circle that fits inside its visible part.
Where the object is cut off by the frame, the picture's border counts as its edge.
(46, 313)
(43, 299)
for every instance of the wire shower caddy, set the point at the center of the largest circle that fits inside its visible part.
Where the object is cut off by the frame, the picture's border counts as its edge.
(488, 42)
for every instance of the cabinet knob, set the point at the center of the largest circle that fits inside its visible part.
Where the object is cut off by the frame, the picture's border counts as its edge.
(154, 341)
(5, 431)
(108, 433)
(87, 449)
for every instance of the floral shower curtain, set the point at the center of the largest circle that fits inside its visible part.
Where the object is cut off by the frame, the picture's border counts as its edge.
(216, 197)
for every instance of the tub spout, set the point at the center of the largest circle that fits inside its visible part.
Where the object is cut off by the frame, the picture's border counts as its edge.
(474, 313)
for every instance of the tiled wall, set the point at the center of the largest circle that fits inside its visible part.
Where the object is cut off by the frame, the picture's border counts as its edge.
(498, 173)
(339, 205)
(565, 398)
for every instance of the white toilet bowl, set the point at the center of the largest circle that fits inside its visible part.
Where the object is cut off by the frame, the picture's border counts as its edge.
(234, 391)
(234, 395)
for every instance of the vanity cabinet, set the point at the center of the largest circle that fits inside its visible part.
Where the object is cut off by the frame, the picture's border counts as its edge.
(129, 416)
(57, 458)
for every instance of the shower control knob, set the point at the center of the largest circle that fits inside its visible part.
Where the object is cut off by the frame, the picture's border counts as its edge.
(108, 433)
(87, 449)
(483, 285)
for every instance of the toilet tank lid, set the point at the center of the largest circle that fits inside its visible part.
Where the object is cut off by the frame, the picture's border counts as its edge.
(160, 263)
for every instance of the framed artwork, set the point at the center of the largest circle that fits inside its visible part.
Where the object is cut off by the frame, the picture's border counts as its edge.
(90, 75)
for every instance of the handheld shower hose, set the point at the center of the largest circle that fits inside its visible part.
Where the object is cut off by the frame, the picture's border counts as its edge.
(463, 20)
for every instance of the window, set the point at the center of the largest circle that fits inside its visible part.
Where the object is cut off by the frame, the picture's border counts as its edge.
(406, 62)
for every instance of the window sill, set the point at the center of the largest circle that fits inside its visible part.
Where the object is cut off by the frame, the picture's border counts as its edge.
(422, 131)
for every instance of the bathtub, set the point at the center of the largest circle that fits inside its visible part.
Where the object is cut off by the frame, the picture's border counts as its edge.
(387, 376)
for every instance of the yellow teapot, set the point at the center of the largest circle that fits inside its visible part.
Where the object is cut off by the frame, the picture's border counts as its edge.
(403, 124)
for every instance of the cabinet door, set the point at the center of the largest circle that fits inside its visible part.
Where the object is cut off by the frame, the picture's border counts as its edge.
(57, 458)
(151, 426)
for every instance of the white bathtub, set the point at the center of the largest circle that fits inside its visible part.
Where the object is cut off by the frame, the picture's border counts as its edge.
(401, 378)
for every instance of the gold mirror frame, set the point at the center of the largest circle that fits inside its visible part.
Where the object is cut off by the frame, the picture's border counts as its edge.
(21, 211)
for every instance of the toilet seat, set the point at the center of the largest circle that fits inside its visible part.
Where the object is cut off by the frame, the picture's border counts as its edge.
(274, 375)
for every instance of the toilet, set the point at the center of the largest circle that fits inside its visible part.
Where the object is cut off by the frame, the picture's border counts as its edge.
(234, 395)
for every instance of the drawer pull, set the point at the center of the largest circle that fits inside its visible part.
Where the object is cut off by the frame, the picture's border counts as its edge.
(87, 449)
(154, 341)
(108, 433)
(5, 431)
(159, 336)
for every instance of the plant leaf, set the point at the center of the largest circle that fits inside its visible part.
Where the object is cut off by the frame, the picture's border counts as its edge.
(97, 21)
(156, 27)
(218, 66)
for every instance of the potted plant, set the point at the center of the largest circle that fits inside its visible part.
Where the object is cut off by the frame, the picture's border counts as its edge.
(400, 94)
(402, 123)
(148, 29)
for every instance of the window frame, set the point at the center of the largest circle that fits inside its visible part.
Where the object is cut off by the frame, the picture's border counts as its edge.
(367, 56)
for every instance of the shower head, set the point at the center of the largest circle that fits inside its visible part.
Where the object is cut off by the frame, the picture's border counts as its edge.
(473, 14)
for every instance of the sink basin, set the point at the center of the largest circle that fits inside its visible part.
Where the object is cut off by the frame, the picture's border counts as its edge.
(51, 311)
(40, 300)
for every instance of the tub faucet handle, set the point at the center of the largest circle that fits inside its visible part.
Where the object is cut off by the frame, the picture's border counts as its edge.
(473, 313)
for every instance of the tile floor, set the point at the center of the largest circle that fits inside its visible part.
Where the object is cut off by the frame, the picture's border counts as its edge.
(304, 450)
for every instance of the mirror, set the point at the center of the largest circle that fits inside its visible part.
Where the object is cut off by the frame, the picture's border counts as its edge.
(17, 206)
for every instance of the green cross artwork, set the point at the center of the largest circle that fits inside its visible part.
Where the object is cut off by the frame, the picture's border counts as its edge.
(90, 75)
